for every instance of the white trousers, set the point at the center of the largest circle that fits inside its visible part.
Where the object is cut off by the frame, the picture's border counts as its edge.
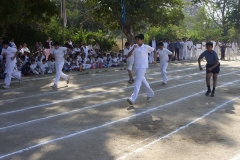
(163, 68)
(235, 51)
(151, 57)
(184, 53)
(59, 73)
(11, 72)
(139, 81)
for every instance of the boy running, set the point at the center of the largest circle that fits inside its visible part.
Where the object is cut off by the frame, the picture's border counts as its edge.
(140, 52)
(10, 53)
(130, 61)
(212, 67)
(164, 60)
(60, 54)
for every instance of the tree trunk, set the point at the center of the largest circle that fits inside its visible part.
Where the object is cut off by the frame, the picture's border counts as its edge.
(128, 34)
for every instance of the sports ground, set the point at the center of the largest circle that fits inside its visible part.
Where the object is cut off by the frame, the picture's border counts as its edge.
(90, 119)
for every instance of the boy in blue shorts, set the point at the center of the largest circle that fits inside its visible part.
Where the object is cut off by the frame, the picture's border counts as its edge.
(212, 67)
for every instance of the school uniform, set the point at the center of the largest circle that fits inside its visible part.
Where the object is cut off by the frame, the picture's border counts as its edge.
(34, 68)
(43, 68)
(235, 49)
(184, 50)
(141, 65)
(130, 60)
(164, 58)
(229, 47)
(194, 51)
(212, 59)
(204, 46)
(189, 52)
(10, 64)
(153, 44)
(59, 62)
(217, 47)
(199, 49)
(177, 50)
(165, 45)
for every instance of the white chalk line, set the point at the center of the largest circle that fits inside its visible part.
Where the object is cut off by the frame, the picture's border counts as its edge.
(76, 75)
(178, 129)
(84, 87)
(91, 95)
(107, 124)
(94, 106)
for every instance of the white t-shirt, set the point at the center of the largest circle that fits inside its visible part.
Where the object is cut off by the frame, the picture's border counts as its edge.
(126, 51)
(154, 44)
(141, 55)
(10, 52)
(43, 66)
(190, 44)
(163, 54)
(165, 44)
(59, 54)
(235, 46)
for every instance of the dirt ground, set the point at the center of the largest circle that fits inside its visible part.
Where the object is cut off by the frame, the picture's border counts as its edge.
(90, 119)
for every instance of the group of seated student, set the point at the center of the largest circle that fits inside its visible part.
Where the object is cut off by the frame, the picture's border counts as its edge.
(81, 58)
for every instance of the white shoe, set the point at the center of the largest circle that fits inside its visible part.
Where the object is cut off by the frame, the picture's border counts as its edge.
(68, 79)
(54, 86)
(5, 87)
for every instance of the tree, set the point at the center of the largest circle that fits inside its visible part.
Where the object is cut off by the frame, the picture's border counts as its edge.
(141, 14)
(22, 12)
(220, 11)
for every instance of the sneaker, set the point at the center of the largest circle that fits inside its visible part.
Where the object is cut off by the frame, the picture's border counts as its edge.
(212, 94)
(207, 93)
(163, 83)
(130, 82)
(5, 87)
(68, 79)
(54, 86)
(149, 99)
(129, 101)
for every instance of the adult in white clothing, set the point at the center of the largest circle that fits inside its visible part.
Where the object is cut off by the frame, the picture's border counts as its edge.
(164, 60)
(60, 54)
(204, 45)
(140, 52)
(229, 48)
(184, 49)
(153, 44)
(235, 49)
(10, 53)
(199, 49)
(190, 47)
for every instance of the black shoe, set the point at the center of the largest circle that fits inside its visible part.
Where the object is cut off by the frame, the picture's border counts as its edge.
(212, 94)
(207, 93)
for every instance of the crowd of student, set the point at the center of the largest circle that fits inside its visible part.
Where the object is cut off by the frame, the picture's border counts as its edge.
(40, 60)
(83, 56)
(186, 49)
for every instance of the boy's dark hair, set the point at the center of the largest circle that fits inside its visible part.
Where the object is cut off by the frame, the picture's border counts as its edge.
(32, 60)
(56, 43)
(209, 44)
(127, 44)
(5, 42)
(44, 59)
(160, 44)
(140, 36)
(28, 64)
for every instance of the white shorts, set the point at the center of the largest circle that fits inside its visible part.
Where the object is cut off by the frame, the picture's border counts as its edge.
(130, 65)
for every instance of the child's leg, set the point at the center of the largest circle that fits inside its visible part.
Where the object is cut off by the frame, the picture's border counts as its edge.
(215, 76)
(208, 78)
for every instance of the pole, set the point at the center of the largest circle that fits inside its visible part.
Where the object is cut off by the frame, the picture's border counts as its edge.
(122, 22)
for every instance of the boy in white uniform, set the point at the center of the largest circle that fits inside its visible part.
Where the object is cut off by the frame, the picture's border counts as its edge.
(11, 54)
(184, 49)
(140, 52)
(189, 46)
(229, 48)
(235, 49)
(130, 61)
(59, 53)
(164, 60)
